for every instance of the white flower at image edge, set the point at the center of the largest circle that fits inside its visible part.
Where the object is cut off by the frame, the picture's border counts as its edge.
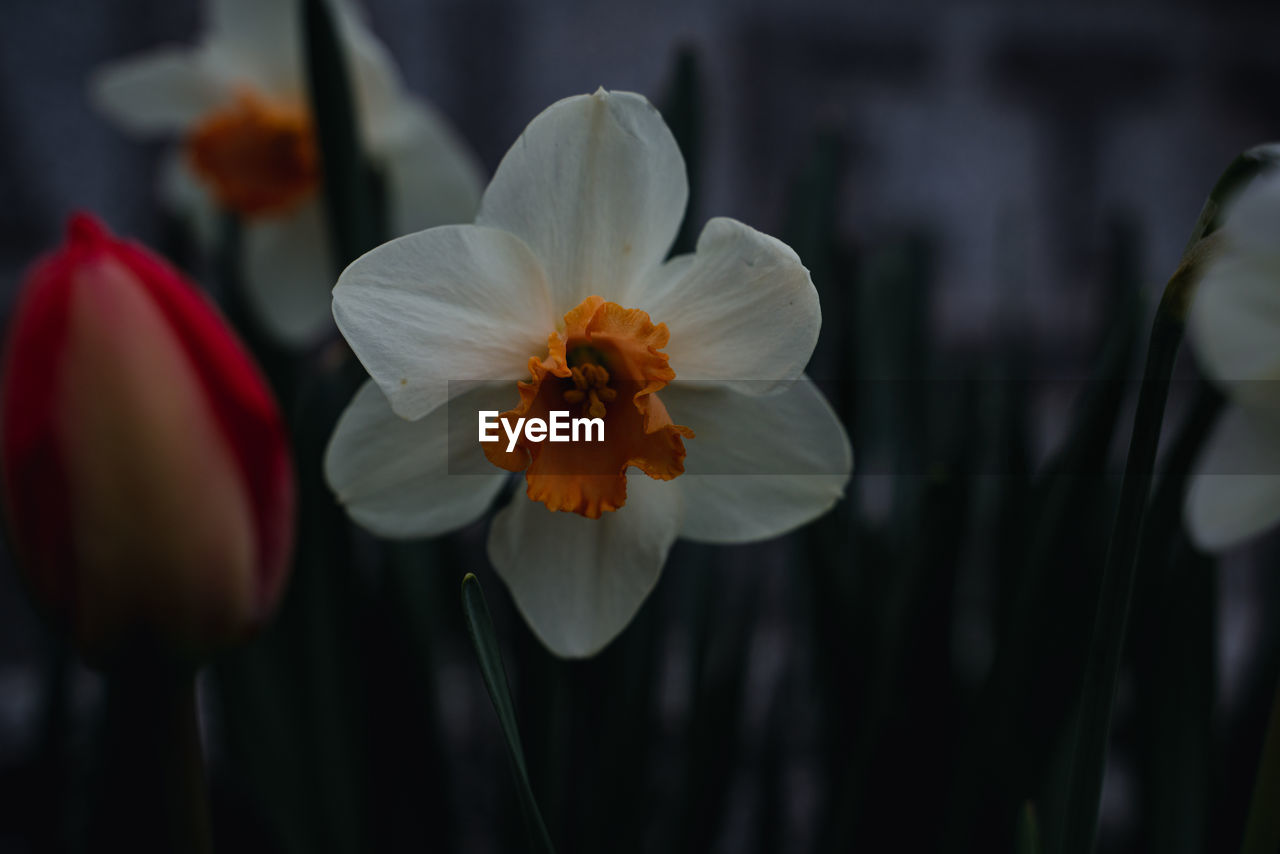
(696, 364)
(238, 100)
(1234, 327)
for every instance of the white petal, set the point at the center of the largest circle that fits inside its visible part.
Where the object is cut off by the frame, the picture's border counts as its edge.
(757, 467)
(1235, 313)
(288, 275)
(578, 581)
(183, 193)
(741, 309)
(259, 43)
(1235, 318)
(1235, 493)
(455, 303)
(1253, 218)
(401, 478)
(378, 89)
(596, 186)
(165, 90)
(432, 178)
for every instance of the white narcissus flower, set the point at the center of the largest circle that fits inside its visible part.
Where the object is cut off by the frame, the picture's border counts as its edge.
(562, 282)
(1234, 326)
(239, 102)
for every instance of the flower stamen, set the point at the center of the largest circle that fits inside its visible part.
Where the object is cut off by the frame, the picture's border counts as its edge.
(591, 389)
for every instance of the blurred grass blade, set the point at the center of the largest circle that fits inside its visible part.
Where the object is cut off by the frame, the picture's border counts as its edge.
(348, 185)
(480, 627)
(1102, 674)
(1028, 830)
(1173, 654)
(1028, 693)
(1262, 831)
(681, 108)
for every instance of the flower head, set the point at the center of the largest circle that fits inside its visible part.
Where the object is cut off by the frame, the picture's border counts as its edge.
(559, 297)
(238, 101)
(147, 479)
(1234, 326)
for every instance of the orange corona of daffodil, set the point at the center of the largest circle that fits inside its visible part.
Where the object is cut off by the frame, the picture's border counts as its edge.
(560, 299)
(238, 103)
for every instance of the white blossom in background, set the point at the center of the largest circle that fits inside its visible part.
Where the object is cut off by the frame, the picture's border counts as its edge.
(695, 364)
(238, 103)
(1234, 327)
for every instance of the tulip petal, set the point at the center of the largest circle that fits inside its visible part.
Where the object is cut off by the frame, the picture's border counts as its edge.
(577, 581)
(596, 187)
(741, 309)
(401, 478)
(455, 303)
(432, 179)
(757, 468)
(1235, 493)
(287, 274)
(164, 90)
(243, 406)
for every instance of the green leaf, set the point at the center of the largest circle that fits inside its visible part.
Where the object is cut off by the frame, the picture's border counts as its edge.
(480, 627)
(349, 184)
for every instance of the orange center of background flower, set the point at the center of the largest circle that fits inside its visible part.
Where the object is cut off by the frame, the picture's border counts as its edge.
(256, 157)
(605, 364)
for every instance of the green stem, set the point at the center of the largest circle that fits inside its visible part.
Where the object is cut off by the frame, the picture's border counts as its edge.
(152, 795)
(494, 674)
(1028, 837)
(1262, 830)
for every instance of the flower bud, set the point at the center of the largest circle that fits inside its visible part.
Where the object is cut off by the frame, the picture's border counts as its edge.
(147, 480)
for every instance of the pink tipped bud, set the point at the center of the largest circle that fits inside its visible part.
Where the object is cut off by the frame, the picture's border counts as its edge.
(146, 471)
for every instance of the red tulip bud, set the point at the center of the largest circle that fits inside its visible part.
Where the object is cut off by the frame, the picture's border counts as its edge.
(147, 478)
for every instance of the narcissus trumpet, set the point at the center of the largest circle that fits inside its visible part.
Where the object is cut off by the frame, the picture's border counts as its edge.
(147, 480)
(562, 293)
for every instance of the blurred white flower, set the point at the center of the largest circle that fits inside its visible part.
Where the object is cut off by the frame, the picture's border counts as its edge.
(1234, 326)
(563, 278)
(239, 102)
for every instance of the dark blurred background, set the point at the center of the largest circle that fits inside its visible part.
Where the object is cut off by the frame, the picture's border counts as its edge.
(998, 174)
